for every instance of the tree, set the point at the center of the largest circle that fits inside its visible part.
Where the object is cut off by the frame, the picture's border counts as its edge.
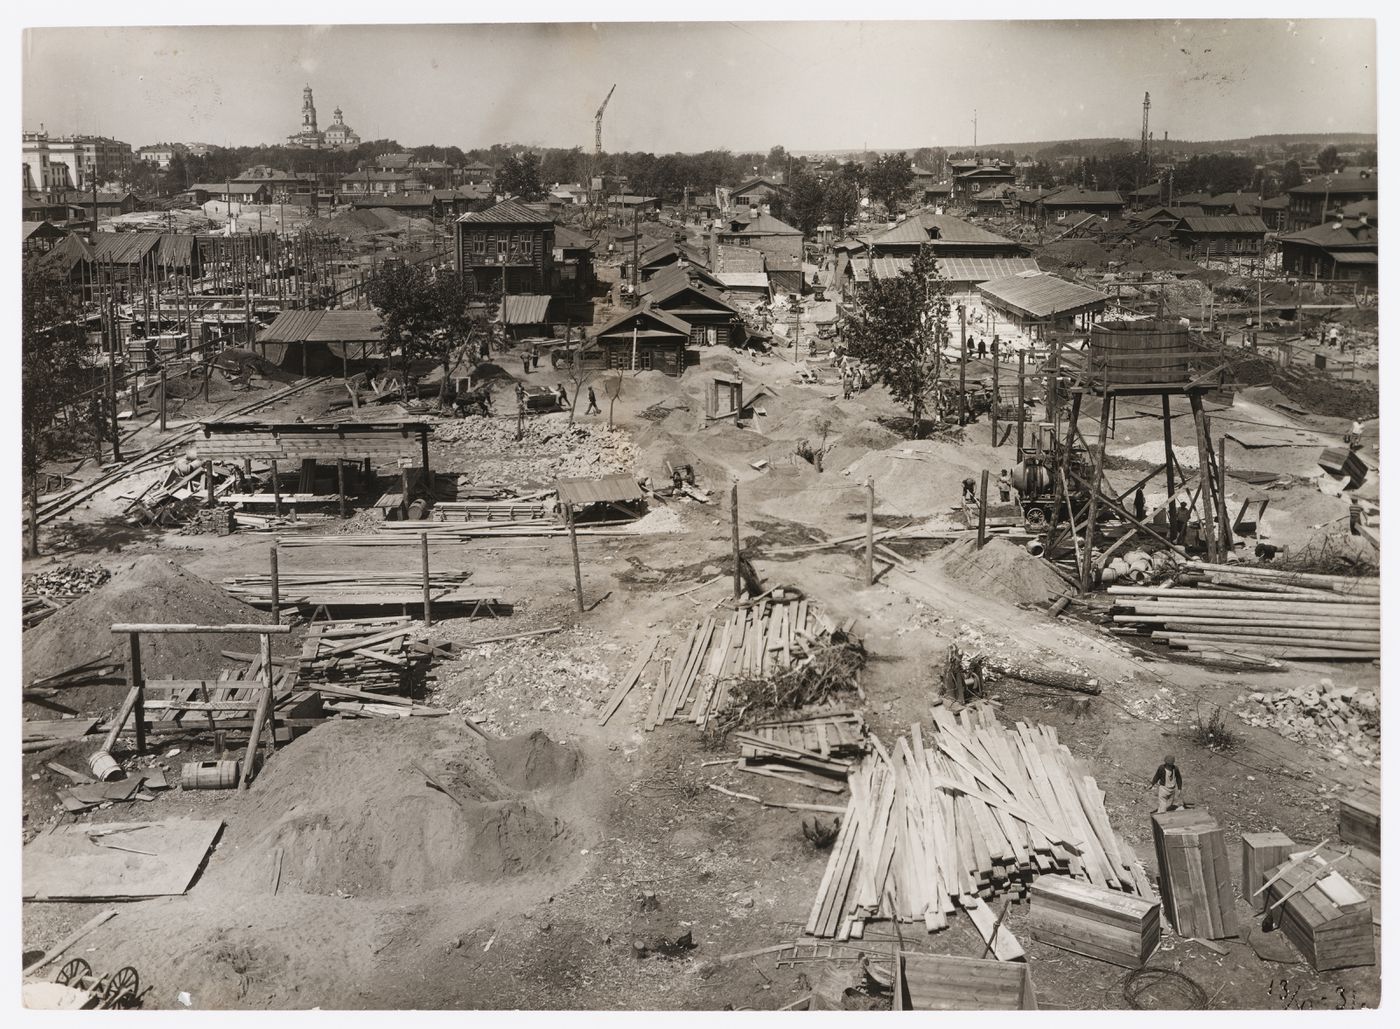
(430, 315)
(808, 203)
(890, 179)
(1329, 161)
(1040, 175)
(54, 368)
(178, 174)
(1367, 159)
(840, 200)
(562, 165)
(777, 161)
(520, 177)
(1292, 176)
(613, 387)
(900, 326)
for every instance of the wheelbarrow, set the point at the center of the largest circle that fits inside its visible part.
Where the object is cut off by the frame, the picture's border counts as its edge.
(75, 987)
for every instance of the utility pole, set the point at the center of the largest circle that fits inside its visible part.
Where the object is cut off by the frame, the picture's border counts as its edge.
(870, 532)
(573, 546)
(962, 365)
(734, 526)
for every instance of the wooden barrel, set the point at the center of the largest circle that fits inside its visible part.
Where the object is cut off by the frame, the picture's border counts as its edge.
(1133, 353)
(209, 775)
(104, 766)
(417, 510)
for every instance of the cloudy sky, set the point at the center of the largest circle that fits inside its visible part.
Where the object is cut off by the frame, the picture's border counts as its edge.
(738, 85)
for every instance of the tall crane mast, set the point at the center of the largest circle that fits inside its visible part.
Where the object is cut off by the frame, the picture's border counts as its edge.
(1146, 106)
(598, 123)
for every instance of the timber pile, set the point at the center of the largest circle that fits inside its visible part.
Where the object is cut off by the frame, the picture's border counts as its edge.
(1194, 873)
(48, 591)
(828, 743)
(361, 589)
(1322, 914)
(1238, 611)
(1345, 720)
(1085, 919)
(517, 510)
(363, 659)
(756, 641)
(956, 817)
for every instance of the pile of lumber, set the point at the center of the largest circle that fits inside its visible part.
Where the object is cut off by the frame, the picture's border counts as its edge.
(516, 510)
(54, 588)
(1322, 914)
(1344, 719)
(1099, 923)
(365, 658)
(360, 589)
(959, 815)
(1227, 612)
(829, 743)
(1194, 874)
(755, 641)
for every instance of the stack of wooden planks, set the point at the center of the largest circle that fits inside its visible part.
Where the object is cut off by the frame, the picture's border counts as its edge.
(1194, 874)
(359, 659)
(754, 641)
(960, 814)
(1099, 923)
(516, 510)
(829, 743)
(1359, 819)
(1226, 612)
(364, 589)
(939, 982)
(1322, 914)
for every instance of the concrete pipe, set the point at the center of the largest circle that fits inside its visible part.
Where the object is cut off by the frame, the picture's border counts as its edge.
(1035, 548)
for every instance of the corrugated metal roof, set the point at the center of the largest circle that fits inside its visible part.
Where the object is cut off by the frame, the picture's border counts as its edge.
(660, 252)
(324, 327)
(124, 247)
(1074, 197)
(1040, 296)
(524, 309)
(744, 280)
(1233, 223)
(176, 249)
(71, 250)
(507, 212)
(984, 269)
(603, 490)
(664, 318)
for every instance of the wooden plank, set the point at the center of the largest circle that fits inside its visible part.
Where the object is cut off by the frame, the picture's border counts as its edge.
(629, 680)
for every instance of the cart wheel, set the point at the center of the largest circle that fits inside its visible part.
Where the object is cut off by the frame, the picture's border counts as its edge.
(73, 971)
(1035, 518)
(122, 988)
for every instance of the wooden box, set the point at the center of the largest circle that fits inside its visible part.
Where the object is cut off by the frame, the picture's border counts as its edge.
(1359, 820)
(1100, 923)
(1194, 873)
(1328, 920)
(935, 982)
(1262, 851)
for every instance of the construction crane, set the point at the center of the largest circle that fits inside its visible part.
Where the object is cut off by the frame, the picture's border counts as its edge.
(598, 124)
(595, 193)
(1146, 106)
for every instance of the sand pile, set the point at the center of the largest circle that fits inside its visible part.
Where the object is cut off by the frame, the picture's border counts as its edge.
(1001, 569)
(153, 589)
(916, 477)
(551, 449)
(392, 833)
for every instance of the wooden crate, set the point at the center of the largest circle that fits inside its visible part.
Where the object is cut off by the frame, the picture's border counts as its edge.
(1194, 871)
(1359, 820)
(1099, 923)
(935, 982)
(1328, 921)
(1261, 851)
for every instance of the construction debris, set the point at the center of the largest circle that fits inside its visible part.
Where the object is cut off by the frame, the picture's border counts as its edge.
(1344, 720)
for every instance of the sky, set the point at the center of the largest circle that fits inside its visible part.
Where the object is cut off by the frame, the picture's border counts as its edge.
(735, 85)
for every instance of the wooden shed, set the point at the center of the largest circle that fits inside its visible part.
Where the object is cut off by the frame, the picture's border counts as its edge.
(1322, 914)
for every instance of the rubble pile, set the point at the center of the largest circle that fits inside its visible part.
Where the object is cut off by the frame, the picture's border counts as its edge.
(65, 581)
(551, 449)
(209, 521)
(1344, 720)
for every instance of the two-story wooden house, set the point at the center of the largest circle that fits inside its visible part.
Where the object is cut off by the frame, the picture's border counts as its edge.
(509, 246)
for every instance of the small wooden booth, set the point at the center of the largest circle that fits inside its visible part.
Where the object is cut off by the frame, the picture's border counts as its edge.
(620, 493)
(1194, 874)
(1322, 914)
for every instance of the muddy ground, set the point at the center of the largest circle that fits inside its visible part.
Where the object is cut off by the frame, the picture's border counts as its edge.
(395, 898)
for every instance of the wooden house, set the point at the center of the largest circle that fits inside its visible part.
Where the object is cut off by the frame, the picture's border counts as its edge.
(1346, 250)
(646, 339)
(509, 245)
(1205, 236)
(1310, 203)
(712, 320)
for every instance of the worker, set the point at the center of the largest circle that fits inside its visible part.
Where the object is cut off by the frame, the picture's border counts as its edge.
(982, 349)
(1168, 783)
(525, 363)
(593, 407)
(535, 356)
(1183, 518)
(1334, 336)
(969, 491)
(563, 397)
(1139, 505)
(1004, 485)
(1355, 439)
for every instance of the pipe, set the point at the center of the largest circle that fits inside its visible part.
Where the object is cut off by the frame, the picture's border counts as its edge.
(1035, 548)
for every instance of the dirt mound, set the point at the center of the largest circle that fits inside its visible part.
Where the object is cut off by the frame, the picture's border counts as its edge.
(869, 435)
(1001, 568)
(533, 762)
(392, 833)
(1072, 253)
(917, 477)
(154, 589)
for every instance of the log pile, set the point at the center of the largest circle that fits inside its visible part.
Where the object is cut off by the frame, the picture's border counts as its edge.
(1224, 612)
(1345, 720)
(50, 590)
(966, 812)
(364, 659)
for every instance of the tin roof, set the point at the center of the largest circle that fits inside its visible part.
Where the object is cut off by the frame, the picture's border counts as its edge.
(666, 319)
(324, 327)
(1042, 295)
(1340, 184)
(124, 247)
(744, 280)
(602, 490)
(1230, 223)
(524, 309)
(507, 212)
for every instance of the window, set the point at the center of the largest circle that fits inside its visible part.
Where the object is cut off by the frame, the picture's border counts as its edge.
(502, 248)
(527, 246)
(479, 243)
(644, 360)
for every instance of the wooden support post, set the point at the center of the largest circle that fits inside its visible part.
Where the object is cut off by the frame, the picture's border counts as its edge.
(403, 485)
(1226, 540)
(138, 684)
(870, 532)
(1086, 568)
(423, 445)
(962, 365)
(162, 398)
(734, 526)
(573, 547)
(427, 584)
(270, 723)
(996, 392)
(1020, 403)
(1167, 443)
(209, 483)
(276, 491)
(276, 584)
(250, 756)
(340, 484)
(982, 510)
(1207, 487)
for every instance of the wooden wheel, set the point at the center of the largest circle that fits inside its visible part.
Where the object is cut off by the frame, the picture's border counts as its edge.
(122, 988)
(1035, 518)
(74, 971)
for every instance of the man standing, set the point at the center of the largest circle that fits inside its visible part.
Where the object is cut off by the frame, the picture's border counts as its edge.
(1168, 783)
(563, 396)
(525, 363)
(1139, 505)
(593, 407)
